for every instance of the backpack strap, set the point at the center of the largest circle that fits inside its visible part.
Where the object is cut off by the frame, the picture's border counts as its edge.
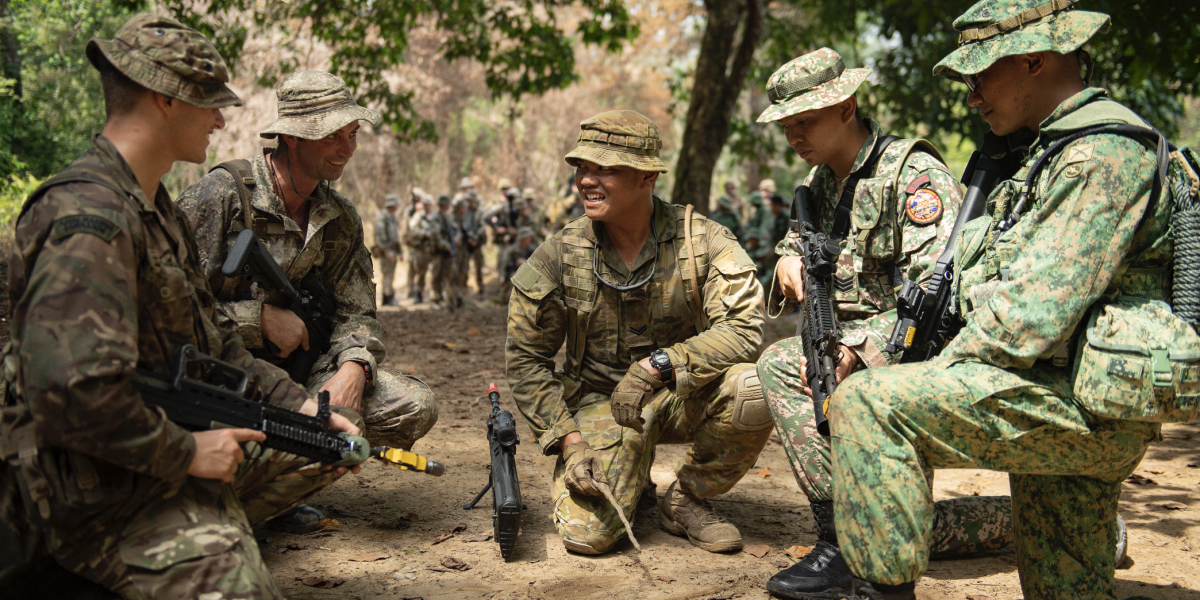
(841, 219)
(243, 176)
(701, 316)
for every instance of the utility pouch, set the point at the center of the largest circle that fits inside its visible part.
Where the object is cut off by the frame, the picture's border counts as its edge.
(1138, 361)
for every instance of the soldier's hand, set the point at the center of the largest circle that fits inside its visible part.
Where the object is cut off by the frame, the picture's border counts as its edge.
(338, 424)
(346, 386)
(789, 272)
(846, 362)
(631, 395)
(218, 452)
(284, 329)
(583, 469)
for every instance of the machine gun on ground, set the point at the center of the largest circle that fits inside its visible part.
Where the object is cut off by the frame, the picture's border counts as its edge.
(818, 326)
(506, 490)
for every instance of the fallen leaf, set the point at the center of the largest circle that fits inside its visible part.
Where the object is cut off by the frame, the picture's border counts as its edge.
(1194, 465)
(666, 579)
(978, 597)
(1171, 505)
(459, 424)
(368, 557)
(295, 546)
(721, 596)
(442, 538)
(437, 569)
(1153, 472)
(473, 331)
(453, 563)
(1136, 479)
(798, 552)
(305, 567)
(318, 581)
(458, 528)
(764, 472)
(451, 345)
(757, 550)
(483, 537)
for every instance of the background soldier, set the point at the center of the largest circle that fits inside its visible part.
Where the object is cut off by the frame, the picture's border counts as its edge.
(291, 195)
(465, 245)
(474, 235)
(515, 256)
(725, 213)
(445, 282)
(774, 229)
(105, 279)
(387, 246)
(419, 237)
(756, 208)
(534, 216)
(682, 349)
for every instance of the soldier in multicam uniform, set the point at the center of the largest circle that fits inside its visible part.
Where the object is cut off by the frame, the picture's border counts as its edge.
(882, 182)
(387, 247)
(284, 195)
(106, 279)
(474, 234)
(645, 364)
(534, 217)
(725, 213)
(419, 237)
(446, 241)
(1003, 394)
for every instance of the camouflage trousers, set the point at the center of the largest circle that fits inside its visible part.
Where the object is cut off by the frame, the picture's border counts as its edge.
(387, 267)
(1065, 469)
(418, 265)
(445, 280)
(721, 453)
(462, 268)
(398, 410)
(960, 526)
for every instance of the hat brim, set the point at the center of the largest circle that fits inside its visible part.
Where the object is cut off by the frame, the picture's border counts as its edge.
(156, 77)
(318, 126)
(826, 94)
(612, 156)
(1065, 33)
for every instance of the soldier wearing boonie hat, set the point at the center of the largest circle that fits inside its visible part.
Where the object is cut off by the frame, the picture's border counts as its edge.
(893, 204)
(106, 280)
(684, 345)
(1016, 390)
(284, 194)
(388, 248)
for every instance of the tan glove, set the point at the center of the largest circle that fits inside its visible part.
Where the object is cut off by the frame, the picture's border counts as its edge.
(583, 469)
(631, 394)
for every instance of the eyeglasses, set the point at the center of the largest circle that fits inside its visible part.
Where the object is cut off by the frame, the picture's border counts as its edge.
(972, 82)
(633, 286)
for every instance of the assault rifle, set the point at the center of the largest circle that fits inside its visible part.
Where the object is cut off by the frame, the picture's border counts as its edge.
(818, 327)
(206, 393)
(250, 260)
(927, 319)
(506, 490)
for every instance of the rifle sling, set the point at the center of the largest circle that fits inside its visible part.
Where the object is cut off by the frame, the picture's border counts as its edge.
(841, 220)
(702, 317)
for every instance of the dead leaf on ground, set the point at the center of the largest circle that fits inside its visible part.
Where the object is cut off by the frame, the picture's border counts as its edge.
(764, 472)
(1136, 479)
(473, 331)
(665, 578)
(1154, 472)
(319, 581)
(458, 528)
(721, 596)
(757, 550)
(451, 345)
(442, 538)
(437, 569)
(483, 537)
(798, 552)
(1171, 505)
(453, 563)
(978, 597)
(1193, 465)
(368, 557)
(305, 567)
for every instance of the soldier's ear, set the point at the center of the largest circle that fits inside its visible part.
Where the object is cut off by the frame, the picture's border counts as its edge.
(648, 179)
(847, 109)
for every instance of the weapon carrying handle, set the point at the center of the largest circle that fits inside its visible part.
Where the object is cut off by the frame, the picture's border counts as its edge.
(218, 370)
(249, 257)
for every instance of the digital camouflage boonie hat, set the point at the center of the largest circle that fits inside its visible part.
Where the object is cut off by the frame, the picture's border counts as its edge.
(314, 104)
(163, 55)
(815, 80)
(619, 138)
(993, 29)
(391, 200)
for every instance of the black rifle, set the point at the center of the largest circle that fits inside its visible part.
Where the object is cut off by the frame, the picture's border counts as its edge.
(818, 327)
(250, 260)
(926, 319)
(206, 393)
(506, 490)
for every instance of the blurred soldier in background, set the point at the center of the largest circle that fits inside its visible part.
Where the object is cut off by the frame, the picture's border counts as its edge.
(413, 207)
(756, 209)
(725, 215)
(387, 247)
(774, 229)
(474, 234)
(535, 217)
(445, 283)
(515, 256)
(421, 231)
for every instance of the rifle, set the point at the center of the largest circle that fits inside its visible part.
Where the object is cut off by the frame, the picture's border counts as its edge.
(214, 398)
(927, 319)
(506, 490)
(251, 260)
(818, 327)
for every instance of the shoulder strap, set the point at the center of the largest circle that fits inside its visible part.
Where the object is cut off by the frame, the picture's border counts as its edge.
(841, 220)
(702, 317)
(243, 176)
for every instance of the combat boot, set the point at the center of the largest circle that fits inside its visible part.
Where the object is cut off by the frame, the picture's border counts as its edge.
(824, 572)
(299, 520)
(417, 296)
(683, 514)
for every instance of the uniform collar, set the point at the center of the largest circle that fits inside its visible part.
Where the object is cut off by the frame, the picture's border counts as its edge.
(868, 146)
(1074, 103)
(265, 200)
(663, 223)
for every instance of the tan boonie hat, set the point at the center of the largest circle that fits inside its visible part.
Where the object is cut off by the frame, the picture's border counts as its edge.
(619, 138)
(993, 29)
(815, 80)
(391, 200)
(314, 104)
(466, 183)
(767, 184)
(163, 55)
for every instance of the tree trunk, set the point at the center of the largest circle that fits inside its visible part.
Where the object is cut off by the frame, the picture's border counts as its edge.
(721, 70)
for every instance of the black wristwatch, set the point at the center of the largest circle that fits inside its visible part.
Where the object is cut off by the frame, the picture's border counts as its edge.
(662, 362)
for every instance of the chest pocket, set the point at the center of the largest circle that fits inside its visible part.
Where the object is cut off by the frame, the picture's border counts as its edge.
(874, 224)
(980, 264)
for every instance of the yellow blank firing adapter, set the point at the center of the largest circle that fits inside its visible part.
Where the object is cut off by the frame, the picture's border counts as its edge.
(408, 461)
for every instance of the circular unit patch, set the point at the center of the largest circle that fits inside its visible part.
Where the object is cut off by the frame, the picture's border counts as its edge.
(924, 207)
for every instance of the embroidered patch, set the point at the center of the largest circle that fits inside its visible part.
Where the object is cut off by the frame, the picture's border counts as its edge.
(1079, 153)
(1073, 170)
(924, 207)
(96, 225)
(917, 184)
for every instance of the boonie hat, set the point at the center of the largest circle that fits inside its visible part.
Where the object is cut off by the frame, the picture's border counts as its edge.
(466, 183)
(504, 183)
(391, 200)
(815, 80)
(163, 55)
(619, 138)
(767, 184)
(443, 200)
(314, 104)
(993, 29)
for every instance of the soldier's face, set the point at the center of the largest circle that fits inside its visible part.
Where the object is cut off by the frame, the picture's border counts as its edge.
(816, 135)
(326, 158)
(190, 127)
(612, 193)
(1004, 93)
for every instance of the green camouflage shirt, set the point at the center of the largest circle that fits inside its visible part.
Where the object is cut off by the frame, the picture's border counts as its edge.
(214, 209)
(556, 299)
(864, 291)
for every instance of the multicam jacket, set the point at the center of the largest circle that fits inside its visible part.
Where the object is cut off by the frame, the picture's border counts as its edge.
(557, 299)
(333, 244)
(902, 217)
(106, 281)
(387, 232)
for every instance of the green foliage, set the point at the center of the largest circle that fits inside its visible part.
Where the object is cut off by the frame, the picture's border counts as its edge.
(13, 191)
(520, 44)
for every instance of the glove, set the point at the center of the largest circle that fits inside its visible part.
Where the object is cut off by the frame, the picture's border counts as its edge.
(583, 470)
(631, 394)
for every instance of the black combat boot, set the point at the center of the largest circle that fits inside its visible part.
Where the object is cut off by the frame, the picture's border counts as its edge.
(299, 520)
(823, 573)
(865, 590)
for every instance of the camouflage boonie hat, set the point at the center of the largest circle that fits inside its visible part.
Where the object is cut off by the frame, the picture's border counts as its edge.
(767, 184)
(391, 200)
(993, 29)
(815, 80)
(619, 138)
(162, 55)
(466, 183)
(524, 232)
(724, 202)
(314, 104)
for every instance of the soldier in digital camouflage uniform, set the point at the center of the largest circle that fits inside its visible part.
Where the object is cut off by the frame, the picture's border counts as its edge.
(307, 226)
(901, 213)
(756, 210)
(445, 282)
(387, 247)
(1002, 395)
(725, 214)
(474, 234)
(418, 236)
(105, 279)
(646, 363)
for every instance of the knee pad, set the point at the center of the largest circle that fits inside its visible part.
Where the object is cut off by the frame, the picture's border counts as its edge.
(750, 410)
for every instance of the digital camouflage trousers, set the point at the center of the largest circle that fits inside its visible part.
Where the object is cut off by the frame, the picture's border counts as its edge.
(398, 410)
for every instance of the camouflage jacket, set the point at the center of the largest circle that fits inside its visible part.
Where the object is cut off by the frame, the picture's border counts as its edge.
(106, 282)
(387, 231)
(1081, 235)
(556, 298)
(905, 223)
(333, 244)
(729, 219)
